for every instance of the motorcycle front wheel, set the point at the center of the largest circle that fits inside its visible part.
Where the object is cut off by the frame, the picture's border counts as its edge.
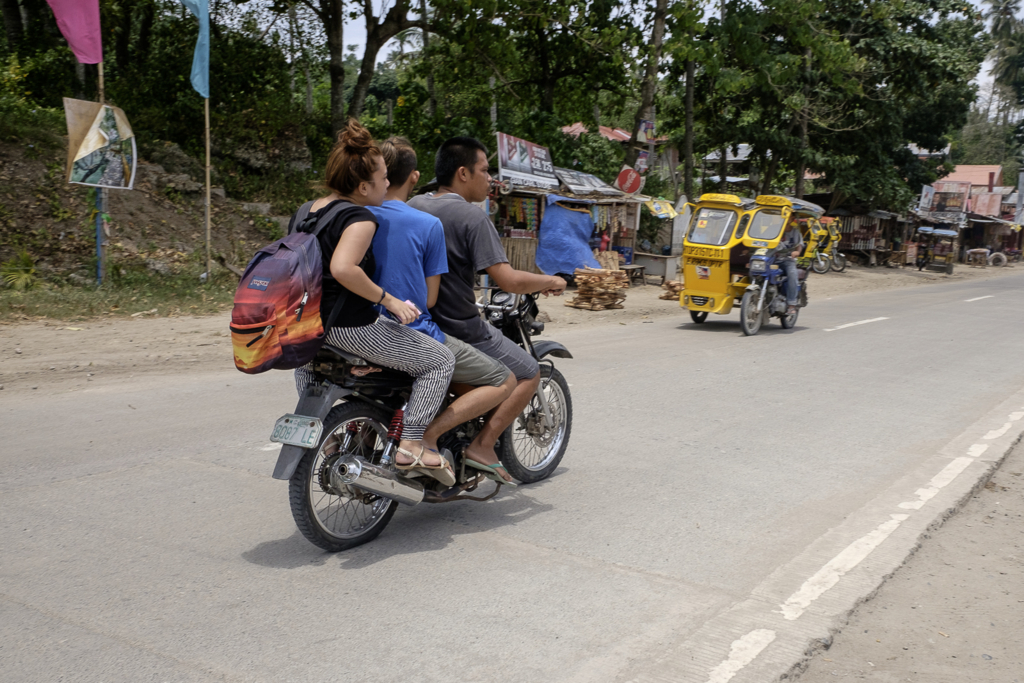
(698, 316)
(529, 450)
(750, 317)
(332, 518)
(820, 264)
(838, 262)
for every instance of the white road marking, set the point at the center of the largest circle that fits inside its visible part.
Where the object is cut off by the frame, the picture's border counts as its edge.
(270, 447)
(741, 653)
(746, 649)
(859, 322)
(939, 481)
(979, 298)
(829, 575)
(996, 433)
(977, 449)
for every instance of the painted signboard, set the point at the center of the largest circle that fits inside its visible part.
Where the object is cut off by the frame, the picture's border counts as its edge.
(524, 163)
(101, 145)
(584, 183)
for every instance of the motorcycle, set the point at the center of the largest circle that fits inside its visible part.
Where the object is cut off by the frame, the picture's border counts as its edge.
(339, 457)
(765, 296)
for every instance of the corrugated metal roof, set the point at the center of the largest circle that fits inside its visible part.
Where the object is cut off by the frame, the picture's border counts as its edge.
(975, 175)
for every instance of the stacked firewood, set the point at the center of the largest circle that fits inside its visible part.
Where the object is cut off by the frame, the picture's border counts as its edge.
(609, 260)
(674, 288)
(599, 289)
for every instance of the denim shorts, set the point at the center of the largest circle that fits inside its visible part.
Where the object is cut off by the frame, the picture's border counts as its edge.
(513, 356)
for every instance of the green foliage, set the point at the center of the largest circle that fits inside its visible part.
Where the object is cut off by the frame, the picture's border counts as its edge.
(590, 153)
(863, 78)
(19, 273)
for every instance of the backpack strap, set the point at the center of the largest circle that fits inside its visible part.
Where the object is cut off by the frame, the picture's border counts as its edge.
(302, 222)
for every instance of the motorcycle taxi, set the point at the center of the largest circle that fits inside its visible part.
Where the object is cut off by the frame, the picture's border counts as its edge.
(729, 259)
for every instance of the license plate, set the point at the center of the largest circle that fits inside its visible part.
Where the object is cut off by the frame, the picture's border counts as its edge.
(297, 430)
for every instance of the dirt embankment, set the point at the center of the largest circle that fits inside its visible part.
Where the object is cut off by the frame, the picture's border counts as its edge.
(158, 224)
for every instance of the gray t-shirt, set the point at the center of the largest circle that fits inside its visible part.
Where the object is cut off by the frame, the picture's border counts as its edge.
(791, 240)
(473, 246)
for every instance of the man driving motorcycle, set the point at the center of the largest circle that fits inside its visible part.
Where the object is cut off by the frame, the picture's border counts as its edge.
(409, 248)
(473, 247)
(790, 247)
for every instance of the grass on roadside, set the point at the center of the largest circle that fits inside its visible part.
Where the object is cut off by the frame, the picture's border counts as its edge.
(125, 293)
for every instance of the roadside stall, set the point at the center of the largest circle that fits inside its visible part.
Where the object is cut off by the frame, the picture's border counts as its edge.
(943, 213)
(527, 182)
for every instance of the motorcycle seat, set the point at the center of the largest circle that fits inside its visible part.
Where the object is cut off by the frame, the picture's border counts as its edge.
(345, 356)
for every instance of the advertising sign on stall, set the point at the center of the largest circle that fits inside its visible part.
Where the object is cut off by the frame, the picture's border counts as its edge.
(584, 183)
(524, 163)
(949, 202)
(927, 196)
(629, 181)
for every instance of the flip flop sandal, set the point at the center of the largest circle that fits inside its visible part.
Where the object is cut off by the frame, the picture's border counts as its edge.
(490, 471)
(443, 471)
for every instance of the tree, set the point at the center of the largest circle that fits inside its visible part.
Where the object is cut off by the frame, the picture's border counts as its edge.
(650, 79)
(377, 33)
(331, 15)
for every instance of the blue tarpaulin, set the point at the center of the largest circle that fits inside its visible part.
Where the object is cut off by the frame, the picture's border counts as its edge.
(564, 243)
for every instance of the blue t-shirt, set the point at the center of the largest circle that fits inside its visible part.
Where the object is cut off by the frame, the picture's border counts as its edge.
(409, 247)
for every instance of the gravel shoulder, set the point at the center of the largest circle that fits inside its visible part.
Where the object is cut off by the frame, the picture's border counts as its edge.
(955, 610)
(52, 355)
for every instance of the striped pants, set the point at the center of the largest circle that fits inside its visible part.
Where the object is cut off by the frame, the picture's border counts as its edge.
(394, 345)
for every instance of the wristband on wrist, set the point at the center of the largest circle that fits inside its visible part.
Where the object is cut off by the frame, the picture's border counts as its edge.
(382, 295)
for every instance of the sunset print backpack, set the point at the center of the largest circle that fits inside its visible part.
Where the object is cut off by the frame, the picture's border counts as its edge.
(275, 322)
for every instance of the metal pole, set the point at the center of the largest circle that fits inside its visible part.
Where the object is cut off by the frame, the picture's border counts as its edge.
(209, 262)
(99, 199)
(1020, 198)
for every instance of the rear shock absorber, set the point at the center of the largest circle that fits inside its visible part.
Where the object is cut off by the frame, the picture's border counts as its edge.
(394, 436)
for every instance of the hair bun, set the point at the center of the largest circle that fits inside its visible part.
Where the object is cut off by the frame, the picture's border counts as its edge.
(355, 138)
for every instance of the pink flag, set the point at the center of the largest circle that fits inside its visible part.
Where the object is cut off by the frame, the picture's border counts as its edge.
(79, 21)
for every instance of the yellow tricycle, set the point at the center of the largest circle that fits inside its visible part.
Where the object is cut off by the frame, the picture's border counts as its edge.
(725, 235)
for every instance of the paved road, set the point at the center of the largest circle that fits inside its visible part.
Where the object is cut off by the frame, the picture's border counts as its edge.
(142, 538)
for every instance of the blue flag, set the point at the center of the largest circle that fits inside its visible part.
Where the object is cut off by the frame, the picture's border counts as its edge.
(201, 60)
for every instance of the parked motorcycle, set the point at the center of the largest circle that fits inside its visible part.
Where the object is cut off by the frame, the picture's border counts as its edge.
(339, 458)
(823, 246)
(765, 297)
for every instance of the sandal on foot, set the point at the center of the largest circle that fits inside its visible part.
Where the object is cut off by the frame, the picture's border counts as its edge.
(490, 471)
(443, 471)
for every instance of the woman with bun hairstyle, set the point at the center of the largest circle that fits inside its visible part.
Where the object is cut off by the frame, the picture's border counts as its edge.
(357, 177)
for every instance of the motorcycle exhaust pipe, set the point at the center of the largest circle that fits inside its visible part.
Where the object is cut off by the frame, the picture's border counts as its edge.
(352, 470)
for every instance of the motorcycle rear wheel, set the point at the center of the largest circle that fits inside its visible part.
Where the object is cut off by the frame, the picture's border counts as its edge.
(529, 451)
(750, 317)
(838, 262)
(339, 520)
(789, 321)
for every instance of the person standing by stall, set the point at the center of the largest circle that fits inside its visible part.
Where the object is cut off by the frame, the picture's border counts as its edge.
(474, 247)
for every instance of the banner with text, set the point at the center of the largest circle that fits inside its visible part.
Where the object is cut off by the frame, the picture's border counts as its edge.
(524, 163)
